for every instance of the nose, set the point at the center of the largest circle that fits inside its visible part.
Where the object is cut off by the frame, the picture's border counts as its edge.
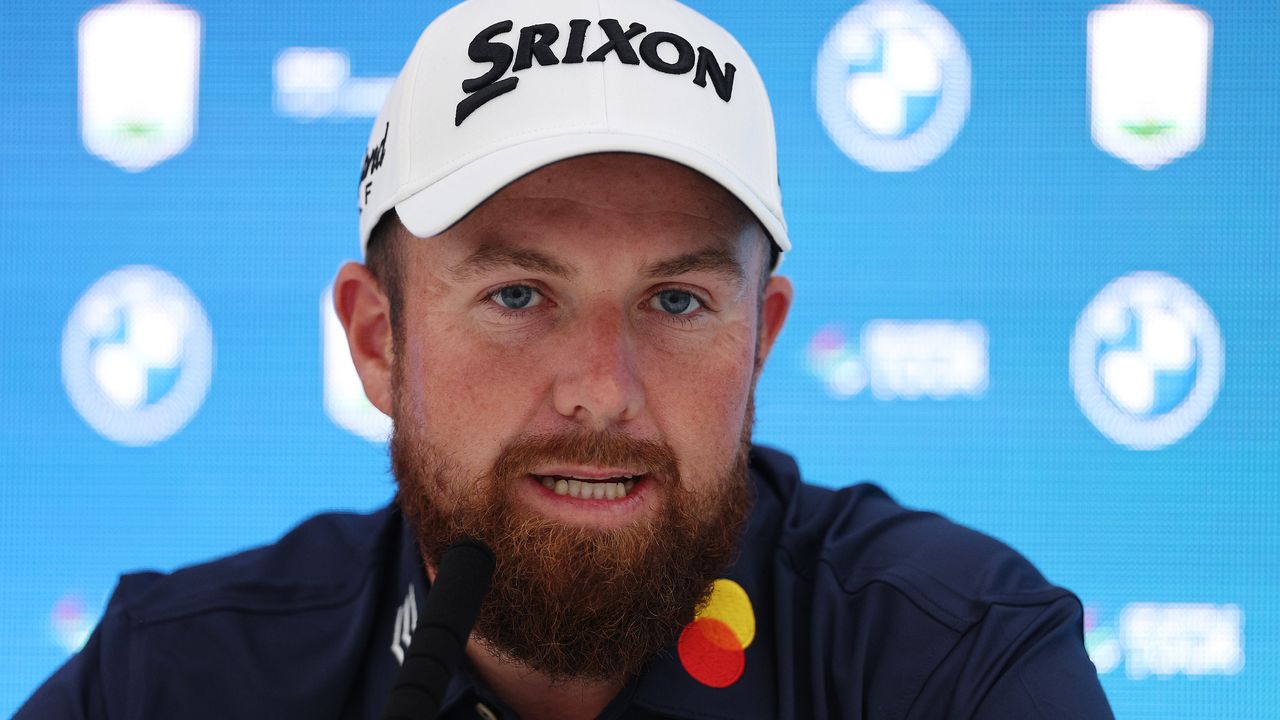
(597, 383)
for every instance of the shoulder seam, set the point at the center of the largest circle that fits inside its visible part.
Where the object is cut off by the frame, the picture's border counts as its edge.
(913, 594)
(230, 606)
(222, 603)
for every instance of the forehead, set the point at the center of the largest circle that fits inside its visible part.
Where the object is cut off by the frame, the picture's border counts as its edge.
(610, 194)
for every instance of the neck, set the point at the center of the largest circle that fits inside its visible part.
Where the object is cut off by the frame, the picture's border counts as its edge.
(535, 696)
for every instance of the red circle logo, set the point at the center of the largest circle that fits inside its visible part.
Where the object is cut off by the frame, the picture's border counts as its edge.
(712, 648)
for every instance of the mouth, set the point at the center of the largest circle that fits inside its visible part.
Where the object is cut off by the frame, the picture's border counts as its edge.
(615, 487)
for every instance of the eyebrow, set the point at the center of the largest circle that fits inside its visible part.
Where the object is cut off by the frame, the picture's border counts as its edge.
(713, 260)
(492, 256)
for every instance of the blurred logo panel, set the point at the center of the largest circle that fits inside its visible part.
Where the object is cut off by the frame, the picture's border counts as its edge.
(70, 622)
(137, 355)
(892, 84)
(903, 359)
(344, 398)
(1165, 639)
(139, 77)
(314, 82)
(1147, 360)
(1148, 80)
(1101, 642)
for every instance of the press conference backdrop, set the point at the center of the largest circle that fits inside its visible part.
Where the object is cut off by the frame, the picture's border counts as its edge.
(1036, 270)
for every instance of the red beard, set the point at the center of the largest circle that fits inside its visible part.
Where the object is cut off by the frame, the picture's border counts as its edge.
(571, 602)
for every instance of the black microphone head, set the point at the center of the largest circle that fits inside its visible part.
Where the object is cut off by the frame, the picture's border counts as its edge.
(453, 602)
(466, 552)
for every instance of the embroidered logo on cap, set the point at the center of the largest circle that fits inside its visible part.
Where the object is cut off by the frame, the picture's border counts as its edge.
(372, 162)
(536, 42)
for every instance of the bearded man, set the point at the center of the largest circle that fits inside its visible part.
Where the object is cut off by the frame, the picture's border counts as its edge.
(571, 221)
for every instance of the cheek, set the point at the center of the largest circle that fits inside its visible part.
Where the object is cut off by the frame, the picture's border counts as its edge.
(468, 388)
(698, 397)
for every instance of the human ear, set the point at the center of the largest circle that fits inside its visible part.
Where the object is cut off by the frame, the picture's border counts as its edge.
(365, 313)
(774, 307)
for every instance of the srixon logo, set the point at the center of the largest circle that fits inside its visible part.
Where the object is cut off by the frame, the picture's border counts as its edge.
(536, 44)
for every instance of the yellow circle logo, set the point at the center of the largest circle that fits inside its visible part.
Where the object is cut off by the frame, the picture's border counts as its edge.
(712, 648)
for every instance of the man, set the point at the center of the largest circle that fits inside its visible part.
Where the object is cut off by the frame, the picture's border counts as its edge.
(571, 217)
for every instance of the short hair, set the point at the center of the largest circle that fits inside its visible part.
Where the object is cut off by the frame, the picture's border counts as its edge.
(384, 256)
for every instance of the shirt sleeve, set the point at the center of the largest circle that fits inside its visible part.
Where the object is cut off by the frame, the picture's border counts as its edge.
(93, 684)
(74, 691)
(1046, 674)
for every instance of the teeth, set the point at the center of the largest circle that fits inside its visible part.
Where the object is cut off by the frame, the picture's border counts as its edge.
(586, 490)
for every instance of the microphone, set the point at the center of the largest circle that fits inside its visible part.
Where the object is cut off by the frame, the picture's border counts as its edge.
(441, 636)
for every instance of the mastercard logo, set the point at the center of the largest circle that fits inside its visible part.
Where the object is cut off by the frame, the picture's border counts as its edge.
(713, 647)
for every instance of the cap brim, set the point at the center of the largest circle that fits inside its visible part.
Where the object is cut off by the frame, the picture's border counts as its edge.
(433, 209)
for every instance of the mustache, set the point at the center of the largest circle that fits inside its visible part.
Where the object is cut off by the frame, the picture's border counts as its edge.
(609, 448)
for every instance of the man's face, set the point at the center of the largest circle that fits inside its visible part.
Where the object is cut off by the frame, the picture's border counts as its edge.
(572, 383)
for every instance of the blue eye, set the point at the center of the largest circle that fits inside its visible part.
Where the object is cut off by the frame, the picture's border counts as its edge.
(677, 302)
(515, 297)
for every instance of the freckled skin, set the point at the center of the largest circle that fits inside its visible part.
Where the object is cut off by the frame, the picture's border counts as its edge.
(596, 351)
(593, 350)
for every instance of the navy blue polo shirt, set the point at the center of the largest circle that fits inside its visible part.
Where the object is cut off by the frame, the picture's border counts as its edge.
(855, 606)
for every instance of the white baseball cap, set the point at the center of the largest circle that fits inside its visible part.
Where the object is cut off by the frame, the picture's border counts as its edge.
(496, 89)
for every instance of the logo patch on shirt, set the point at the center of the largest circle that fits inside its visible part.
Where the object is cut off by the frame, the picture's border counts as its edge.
(712, 648)
(406, 623)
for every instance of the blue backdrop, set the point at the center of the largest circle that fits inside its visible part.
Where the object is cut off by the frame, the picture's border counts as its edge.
(1035, 256)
